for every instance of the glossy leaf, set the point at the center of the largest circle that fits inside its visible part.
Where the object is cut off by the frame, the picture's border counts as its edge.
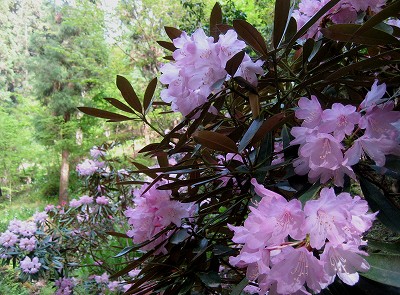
(173, 32)
(237, 290)
(103, 114)
(128, 93)
(233, 64)
(281, 20)
(215, 141)
(385, 269)
(270, 124)
(167, 45)
(388, 212)
(215, 19)
(251, 36)
(148, 95)
(148, 171)
(210, 279)
(248, 136)
(348, 33)
(119, 105)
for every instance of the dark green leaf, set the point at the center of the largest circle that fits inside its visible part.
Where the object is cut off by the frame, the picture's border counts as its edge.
(215, 141)
(348, 33)
(388, 212)
(117, 234)
(384, 269)
(167, 45)
(281, 20)
(128, 93)
(103, 114)
(237, 290)
(119, 105)
(124, 251)
(210, 279)
(383, 247)
(215, 19)
(179, 236)
(251, 36)
(233, 64)
(248, 136)
(172, 32)
(310, 193)
(148, 95)
(393, 163)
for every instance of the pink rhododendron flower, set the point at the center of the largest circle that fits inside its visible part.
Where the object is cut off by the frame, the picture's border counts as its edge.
(86, 200)
(310, 111)
(8, 239)
(340, 120)
(40, 217)
(154, 211)
(286, 249)
(102, 200)
(49, 207)
(344, 261)
(104, 278)
(28, 244)
(374, 96)
(64, 286)
(89, 167)
(199, 69)
(74, 203)
(96, 153)
(29, 265)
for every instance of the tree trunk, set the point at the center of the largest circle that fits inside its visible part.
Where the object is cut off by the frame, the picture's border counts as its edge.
(64, 171)
(64, 178)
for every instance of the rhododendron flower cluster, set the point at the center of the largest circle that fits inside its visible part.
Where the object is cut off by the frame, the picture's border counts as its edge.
(65, 286)
(89, 167)
(344, 12)
(153, 212)
(199, 68)
(280, 240)
(321, 136)
(29, 265)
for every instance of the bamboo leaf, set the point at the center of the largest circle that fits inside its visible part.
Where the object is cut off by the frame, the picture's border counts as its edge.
(103, 114)
(128, 93)
(148, 95)
(215, 141)
(251, 36)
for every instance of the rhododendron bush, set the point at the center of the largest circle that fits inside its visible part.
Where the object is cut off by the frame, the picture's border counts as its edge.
(286, 156)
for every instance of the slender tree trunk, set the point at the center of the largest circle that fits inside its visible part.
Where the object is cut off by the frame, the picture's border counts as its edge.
(64, 170)
(64, 177)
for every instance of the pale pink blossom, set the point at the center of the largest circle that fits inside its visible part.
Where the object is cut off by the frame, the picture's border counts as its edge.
(310, 111)
(104, 278)
(96, 152)
(89, 167)
(64, 286)
(28, 244)
(74, 203)
(374, 96)
(102, 200)
(29, 265)
(40, 217)
(343, 260)
(86, 200)
(8, 239)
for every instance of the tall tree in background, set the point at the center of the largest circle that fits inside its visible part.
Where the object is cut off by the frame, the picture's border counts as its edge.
(67, 62)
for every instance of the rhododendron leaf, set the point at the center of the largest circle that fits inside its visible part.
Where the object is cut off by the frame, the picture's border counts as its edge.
(148, 95)
(172, 32)
(103, 114)
(290, 30)
(390, 10)
(281, 20)
(233, 64)
(179, 236)
(237, 290)
(393, 163)
(215, 19)
(116, 234)
(188, 182)
(223, 28)
(210, 279)
(388, 212)
(248, 136)
(119, 105)
(215, 141)
(124, 251)
(145, 170)
(348, 33)
(167, 45)
(269, 124)
(379, 247)
(128, 93)
(385, 269)
(310, 193)
(251, 36)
